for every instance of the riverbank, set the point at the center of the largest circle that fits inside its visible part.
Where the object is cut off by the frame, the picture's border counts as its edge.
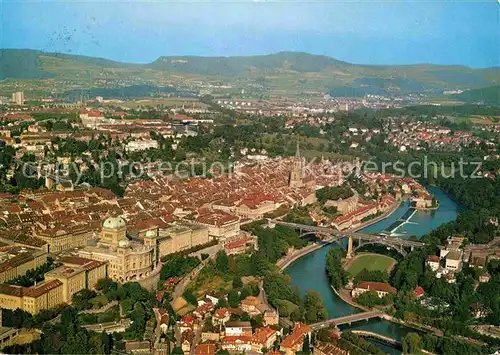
(377, 219)
(287, 260)
(308, 271)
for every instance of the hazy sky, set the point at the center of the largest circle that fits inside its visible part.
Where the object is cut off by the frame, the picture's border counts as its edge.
(371, 32)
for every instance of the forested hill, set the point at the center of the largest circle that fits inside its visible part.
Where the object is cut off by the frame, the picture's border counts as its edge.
(232, 66)
(284, 70)
(489, 96)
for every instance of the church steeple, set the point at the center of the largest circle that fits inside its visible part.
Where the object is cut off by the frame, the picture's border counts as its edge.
(295, 179)
(297, 152)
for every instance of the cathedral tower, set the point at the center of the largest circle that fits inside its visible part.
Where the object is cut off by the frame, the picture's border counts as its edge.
(295, 179)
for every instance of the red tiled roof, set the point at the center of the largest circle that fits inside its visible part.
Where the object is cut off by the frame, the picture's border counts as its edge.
(205, 349)
(377, 286)
(433, 258)
(297, 336)
(221, 313)
(419, 291)
(37, 291)
(237, 243)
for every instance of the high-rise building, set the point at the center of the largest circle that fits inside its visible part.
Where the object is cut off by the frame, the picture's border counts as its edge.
(295, 179)
(18, 98)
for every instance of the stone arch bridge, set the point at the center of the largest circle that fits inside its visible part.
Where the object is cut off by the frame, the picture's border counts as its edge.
(336, 236)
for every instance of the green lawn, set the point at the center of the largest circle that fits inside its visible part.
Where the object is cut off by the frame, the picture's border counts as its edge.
(371, 262)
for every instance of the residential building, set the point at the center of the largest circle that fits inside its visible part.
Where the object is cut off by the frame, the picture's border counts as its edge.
(240, 245)
(433, 262)
(210, 336)
(205, 349)
(255, 206)
(237, 343)
(221, 225)
(271, 317)
(294, 341)
(18, 98)
(65, 238)
(250, 304)
(16, 260)
(382, 289)
(73, 280)
(221, 316)
(454, 261)
(238, 329)
(94, 270)
(134, 146)
(263, 338)
(44, 295)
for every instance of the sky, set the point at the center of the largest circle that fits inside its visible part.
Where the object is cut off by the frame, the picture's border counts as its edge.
(364, 32)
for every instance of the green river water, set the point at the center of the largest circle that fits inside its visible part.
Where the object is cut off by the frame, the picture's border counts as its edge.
(309, 272)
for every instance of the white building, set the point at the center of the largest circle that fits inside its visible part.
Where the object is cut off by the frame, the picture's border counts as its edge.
(18, 98)
(433, 262)
(134, 146)
(454, 261)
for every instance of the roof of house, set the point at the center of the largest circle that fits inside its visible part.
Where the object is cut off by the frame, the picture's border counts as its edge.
(376, 286)
(235, 324)
(297, 335)
(454, 255)
(433, 258)
(205, 349)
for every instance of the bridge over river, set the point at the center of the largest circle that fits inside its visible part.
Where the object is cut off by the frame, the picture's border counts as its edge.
(352, 318)
(335, 235)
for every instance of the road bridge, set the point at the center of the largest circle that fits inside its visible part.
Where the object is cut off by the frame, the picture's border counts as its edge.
(335, 235)
(352, 318)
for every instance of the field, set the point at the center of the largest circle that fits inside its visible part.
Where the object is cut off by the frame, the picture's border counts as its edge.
(477, 119)
(371, 262)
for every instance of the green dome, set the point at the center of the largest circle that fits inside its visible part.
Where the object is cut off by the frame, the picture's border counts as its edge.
(114, 223)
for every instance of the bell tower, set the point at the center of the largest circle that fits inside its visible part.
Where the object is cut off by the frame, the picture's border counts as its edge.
(295, 179)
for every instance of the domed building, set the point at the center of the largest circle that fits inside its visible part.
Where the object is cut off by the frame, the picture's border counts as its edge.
(127, 260)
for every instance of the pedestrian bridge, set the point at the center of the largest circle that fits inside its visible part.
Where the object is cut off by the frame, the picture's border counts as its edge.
(352, 318)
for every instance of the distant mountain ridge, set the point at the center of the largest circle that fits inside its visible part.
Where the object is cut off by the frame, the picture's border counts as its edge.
(291, 70)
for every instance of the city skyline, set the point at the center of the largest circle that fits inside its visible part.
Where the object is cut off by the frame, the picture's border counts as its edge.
(462, 33)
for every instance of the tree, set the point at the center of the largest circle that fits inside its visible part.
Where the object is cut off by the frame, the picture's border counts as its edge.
(314, 307)
(334, 270)
(233, 299)
(237, 283)
(306, 347)
(222, 262)
(190, 297)
(411, 343)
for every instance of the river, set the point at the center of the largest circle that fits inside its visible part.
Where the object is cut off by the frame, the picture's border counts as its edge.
(309, 272)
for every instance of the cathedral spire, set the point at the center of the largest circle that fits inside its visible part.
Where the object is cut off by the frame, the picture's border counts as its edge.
(295, 179)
